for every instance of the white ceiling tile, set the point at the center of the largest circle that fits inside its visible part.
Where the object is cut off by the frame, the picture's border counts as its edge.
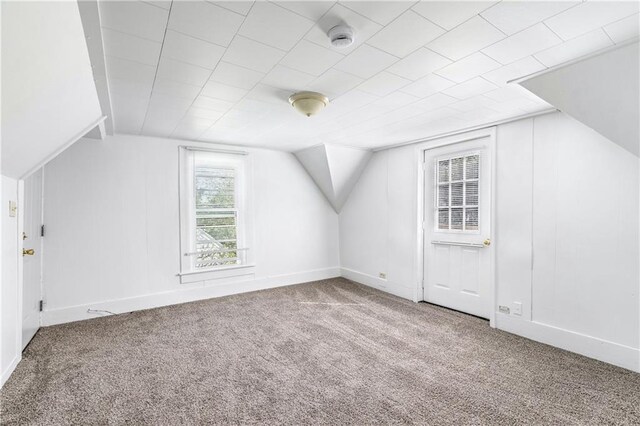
(128, 113)
(311, 58)
(164, 4)
(136, 18)
(338, 14)
(407, 33)
(365, 61)
(476, 102)
(466, 39)
(124, 69)
(236, 76)
(513, 16)
(624, 29)
(574, 48)
(383, 84)
(309, 9)
(334, 83)
(507, 93)
(471, 88)
(434, 102)
(177, 89)
(191, 50)
(525, 43)
(205, 102)
(162, 101)
(589, 16)
(418, 64)
(238, 6)
(449, 14)
(253, 55)
(396, 100)
(469, 67)
(517, 69)
(428, 86)
(382, 12)
(287, 78)
(222, 91)
(182, 72)
(205, 21)
(274, 26)
(269, 94)
(125, 46)
(203, 113)
(130, 88)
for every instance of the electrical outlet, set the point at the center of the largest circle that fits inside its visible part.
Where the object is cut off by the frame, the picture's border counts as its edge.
(504, 309)
(517, 308)
(382, 275)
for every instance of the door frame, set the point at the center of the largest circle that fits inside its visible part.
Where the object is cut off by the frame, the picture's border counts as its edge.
(420, 151)
(21, 212)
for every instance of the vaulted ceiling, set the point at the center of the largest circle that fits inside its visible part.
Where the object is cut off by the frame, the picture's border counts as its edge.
(222, 71)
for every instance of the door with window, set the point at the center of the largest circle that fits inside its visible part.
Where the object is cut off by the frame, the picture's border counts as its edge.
(457, 227)
(31, 256)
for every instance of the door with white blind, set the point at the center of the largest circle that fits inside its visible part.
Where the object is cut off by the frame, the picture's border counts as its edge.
(457, 227)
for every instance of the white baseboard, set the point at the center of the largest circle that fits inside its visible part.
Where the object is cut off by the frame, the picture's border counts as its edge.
(379, 283)
(191, 294)
(592, 347)
(12, 366)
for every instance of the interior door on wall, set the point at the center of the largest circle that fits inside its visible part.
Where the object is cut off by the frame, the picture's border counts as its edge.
(457, 227)
(31, 256)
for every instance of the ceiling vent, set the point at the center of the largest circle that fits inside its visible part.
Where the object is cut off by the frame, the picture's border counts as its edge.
(341, 36)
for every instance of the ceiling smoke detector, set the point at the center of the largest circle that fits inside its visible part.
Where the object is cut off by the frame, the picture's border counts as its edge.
(308, 103)
(341, 36)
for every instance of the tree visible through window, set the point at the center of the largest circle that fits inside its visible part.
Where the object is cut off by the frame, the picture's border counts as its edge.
(216, 212)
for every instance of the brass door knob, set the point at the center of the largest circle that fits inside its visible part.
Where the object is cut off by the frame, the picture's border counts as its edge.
(28, 252)
(487, 242)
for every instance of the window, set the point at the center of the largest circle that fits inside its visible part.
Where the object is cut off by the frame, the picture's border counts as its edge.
(457, 195)
(213, 211)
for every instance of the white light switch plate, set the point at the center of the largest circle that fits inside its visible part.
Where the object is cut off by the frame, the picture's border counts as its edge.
(517, 308)
(13, 208)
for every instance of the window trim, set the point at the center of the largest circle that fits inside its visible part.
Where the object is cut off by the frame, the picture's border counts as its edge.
(244, 225)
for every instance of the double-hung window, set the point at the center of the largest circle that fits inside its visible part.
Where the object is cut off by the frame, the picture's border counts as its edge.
(213, 211)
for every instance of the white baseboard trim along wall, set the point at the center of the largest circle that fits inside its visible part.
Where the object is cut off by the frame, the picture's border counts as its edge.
(379, 283)
(592, 347)
(10, 368)
(192, 294)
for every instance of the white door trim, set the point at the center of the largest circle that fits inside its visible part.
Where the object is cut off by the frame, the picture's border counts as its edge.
(419, 155)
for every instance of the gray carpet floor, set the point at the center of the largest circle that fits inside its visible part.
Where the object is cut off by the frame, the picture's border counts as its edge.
(330, 352)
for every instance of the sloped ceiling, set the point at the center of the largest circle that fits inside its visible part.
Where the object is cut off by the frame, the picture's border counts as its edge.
(335, 169)
(601, 91)
(48, 95)
(221, 71)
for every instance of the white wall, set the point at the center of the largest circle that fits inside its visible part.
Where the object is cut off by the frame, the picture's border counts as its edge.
(48, 94)
(112, 228)
(563, 192)
(10, 350)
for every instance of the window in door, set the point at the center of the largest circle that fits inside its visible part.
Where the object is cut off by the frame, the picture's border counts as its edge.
(457, 193)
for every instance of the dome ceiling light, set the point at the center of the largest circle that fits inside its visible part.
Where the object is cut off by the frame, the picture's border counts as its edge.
(308, 103)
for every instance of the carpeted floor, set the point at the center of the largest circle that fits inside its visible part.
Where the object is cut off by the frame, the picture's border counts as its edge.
(330, 352)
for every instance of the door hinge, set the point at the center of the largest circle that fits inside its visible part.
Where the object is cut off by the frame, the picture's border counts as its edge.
(42, 231)
(41, 305)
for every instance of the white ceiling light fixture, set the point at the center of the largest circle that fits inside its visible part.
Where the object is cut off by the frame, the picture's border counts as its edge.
(341, 36)
(308, 103)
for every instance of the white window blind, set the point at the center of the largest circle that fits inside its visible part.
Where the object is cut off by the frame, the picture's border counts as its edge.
(457, 195)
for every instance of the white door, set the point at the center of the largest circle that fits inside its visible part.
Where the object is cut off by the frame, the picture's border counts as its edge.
(31, 256)
(457, 227)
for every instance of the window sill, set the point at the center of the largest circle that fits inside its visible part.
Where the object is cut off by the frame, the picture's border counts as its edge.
(215, 274)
